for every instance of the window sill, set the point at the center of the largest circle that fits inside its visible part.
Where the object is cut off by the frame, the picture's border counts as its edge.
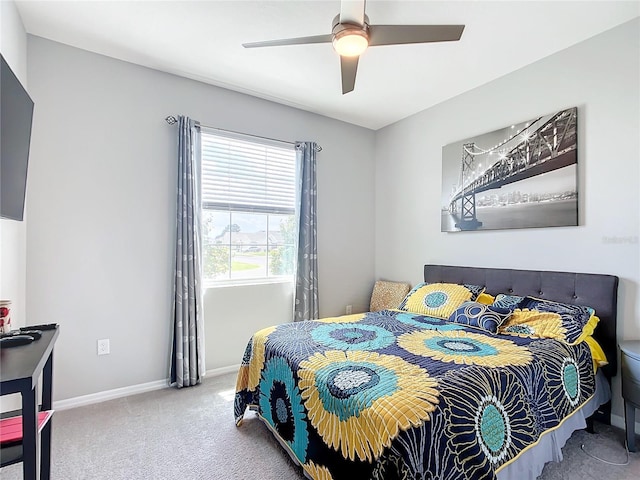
(247, 282)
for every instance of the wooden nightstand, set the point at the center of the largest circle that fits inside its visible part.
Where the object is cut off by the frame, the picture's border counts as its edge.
(630, 366)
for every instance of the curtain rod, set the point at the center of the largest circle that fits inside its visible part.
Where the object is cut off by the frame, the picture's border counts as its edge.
(171, 119)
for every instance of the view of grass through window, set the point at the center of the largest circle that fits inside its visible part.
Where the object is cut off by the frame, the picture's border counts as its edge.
(248, 205)
(247, 245)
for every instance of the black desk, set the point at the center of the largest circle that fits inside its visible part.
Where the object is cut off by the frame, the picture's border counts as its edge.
(20, 368)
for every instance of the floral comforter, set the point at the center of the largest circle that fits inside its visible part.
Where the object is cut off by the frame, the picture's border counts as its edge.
(392, 394)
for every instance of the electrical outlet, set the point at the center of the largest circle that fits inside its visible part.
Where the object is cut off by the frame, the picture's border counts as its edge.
(349, 309)
(103, 347)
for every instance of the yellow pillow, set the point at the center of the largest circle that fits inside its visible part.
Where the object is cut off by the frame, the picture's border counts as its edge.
(436, 299)
(485, 298)
(599, 358)
(539, 324)
(532, 323)
(588, 329)
(576, 319)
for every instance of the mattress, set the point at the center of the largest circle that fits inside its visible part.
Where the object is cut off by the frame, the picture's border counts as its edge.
(396, 395)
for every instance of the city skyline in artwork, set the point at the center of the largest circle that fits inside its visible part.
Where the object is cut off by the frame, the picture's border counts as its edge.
(521, 176)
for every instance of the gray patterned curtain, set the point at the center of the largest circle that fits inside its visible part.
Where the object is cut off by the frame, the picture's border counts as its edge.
(187, 356)
(306, 277)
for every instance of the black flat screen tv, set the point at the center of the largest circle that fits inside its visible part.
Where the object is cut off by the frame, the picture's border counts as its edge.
(16, 116)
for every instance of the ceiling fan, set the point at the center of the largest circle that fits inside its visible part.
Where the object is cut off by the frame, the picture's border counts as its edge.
(352, 34)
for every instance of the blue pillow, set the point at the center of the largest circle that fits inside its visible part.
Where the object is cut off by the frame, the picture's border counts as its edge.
(541, 305)
(510, 302)
(479, 315)
(475, 290)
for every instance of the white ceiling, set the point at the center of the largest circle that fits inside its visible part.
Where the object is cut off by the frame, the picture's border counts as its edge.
(202, 40)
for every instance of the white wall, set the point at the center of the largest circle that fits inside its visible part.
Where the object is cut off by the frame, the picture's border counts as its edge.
(600, 76)
(226, 337)
(13, 45)
(101, 215)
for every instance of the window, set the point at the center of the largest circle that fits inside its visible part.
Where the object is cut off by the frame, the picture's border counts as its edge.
(248, 207)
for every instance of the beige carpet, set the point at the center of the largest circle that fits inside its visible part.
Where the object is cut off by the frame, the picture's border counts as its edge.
(190, 434)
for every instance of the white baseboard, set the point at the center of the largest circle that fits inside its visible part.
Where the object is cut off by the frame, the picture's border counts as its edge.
(98, 397)
(618, 421)
(222, 370)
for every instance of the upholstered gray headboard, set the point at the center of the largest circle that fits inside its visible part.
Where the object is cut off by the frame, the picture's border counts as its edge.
(597, 291)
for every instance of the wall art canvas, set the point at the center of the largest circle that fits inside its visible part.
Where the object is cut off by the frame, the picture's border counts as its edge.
(522, 176)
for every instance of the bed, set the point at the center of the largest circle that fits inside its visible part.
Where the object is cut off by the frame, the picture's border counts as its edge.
(404, 394)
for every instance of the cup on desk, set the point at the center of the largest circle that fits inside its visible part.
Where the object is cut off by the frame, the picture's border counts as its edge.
(5, 316)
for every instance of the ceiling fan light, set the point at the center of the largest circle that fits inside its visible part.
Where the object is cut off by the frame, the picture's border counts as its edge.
(350, 43)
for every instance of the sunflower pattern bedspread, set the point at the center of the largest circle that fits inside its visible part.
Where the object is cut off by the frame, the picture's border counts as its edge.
(392, 394)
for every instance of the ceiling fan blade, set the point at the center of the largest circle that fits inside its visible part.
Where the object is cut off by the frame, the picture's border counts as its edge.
(352, 11)
(349, 67)
(290, 41)
(399, 34)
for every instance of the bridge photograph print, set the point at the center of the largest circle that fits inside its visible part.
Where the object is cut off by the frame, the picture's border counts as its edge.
(522, 176)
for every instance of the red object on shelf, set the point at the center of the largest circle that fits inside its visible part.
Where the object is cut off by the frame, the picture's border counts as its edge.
(11, 428)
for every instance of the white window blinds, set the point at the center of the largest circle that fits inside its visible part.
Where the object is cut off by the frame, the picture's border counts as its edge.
(247, 175)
